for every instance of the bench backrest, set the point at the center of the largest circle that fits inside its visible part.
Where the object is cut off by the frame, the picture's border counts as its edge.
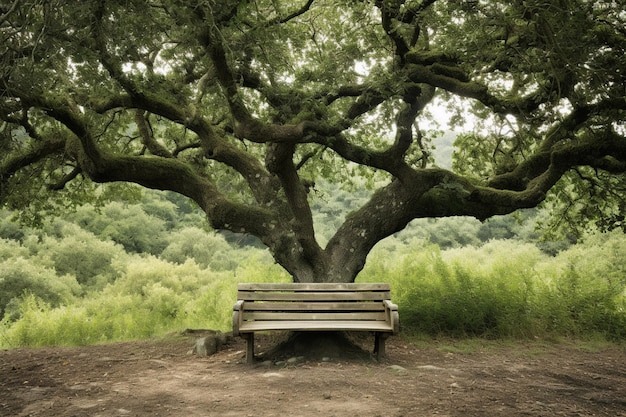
(314, 301)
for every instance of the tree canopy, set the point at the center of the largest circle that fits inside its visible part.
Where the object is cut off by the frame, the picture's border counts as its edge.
(246, 106)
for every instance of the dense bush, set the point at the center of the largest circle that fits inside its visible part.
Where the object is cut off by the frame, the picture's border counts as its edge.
(81, 254)
(127, 225)
(11, 249)
(207, 249)
(591, 282)
(20, 278)
(149, 296)
(10, 229)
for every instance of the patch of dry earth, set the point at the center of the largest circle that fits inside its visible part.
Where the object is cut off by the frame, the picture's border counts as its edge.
(161, 378)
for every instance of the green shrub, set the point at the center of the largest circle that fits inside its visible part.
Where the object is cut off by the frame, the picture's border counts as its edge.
(80, 253)
(10, 229)
(131, 227)
(127, 225)
(12, 249)
(590, 287)
(207, 249)
(93, 321)
(20, 276)
(150, 297)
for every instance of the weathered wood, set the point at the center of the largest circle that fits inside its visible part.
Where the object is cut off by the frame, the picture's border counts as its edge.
(379, 344)
(237, 316)
(314, 287)
(249, 347)
(315, 307)
(333, 325)
(315, 316)
(313, 296)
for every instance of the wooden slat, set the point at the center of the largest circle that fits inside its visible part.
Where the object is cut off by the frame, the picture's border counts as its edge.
(281, 316)
(312, 296)
(315, 287)
(328, 325)
(315, 306)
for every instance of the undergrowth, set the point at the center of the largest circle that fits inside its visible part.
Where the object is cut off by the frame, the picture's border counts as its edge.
(501, 290)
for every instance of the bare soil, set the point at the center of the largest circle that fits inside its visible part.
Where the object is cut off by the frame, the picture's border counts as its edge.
(162, 378)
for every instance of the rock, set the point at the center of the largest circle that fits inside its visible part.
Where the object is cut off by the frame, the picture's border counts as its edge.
(265, 364)
(430, 368)
(205, 346)
(272, 375)
(212, 343)
(397, 369)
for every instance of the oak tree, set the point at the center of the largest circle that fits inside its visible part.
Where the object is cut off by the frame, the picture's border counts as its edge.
(248, 107)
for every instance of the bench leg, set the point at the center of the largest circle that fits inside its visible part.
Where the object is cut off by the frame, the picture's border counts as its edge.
(379, 344)
(249, 348)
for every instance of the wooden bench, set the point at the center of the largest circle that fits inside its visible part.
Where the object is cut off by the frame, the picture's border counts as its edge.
(315, 307)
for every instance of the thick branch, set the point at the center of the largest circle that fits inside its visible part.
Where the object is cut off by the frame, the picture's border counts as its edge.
(225, 76)
(147, 136)
(279, 161)
(416, 99)
(388, 16)
(391, 159)
(425, 74)
(247, 126)
(60, 184)
(162, 174)
(560, 144)
(454, 80)
(214, 147)
(141, 97)
(39, 151)
(412, 12)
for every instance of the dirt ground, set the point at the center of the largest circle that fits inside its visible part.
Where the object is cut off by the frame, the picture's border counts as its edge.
(162, 378)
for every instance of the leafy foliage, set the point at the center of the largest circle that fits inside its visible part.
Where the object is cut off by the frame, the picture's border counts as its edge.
(250, 109)
(207, 250)
(82, 255)
(20, 278)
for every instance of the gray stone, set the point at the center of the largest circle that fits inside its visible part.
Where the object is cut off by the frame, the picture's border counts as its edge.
(397, 369)
(210, 344)
(430, 368)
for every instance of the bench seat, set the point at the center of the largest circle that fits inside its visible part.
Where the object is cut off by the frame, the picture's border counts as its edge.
(322, 325)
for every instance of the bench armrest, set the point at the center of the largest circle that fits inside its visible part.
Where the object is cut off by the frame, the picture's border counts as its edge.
(237, 316)
(391, 311)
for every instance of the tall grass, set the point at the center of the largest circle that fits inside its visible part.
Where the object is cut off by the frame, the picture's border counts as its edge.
(501, 289)
(508, 289)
